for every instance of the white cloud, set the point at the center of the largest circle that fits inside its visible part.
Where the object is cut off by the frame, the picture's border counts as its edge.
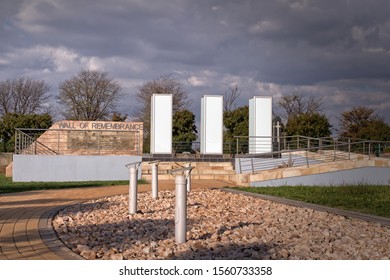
(262, 27)
(196, 81)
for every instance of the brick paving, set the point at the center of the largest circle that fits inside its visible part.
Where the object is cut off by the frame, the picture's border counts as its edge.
(25, 218)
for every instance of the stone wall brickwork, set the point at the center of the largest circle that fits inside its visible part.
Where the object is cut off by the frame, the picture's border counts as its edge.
(92, 138)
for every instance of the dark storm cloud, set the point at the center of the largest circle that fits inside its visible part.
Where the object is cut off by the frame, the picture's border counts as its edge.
(336, 49)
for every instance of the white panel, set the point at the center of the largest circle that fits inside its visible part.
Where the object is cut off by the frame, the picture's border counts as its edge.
(260, 124)
(161, 124)
(212, 124)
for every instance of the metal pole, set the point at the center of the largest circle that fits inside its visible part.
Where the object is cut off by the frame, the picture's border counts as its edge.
(236, 146)
(133, 190)
(155, 181)
(369, 150)
(188, 176)
(349, 148)
(278, 134)
(181, 210)
(307, 157)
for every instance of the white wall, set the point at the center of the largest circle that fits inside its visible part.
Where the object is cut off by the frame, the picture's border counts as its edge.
(161, 124)
(46, 168)
(211, 133)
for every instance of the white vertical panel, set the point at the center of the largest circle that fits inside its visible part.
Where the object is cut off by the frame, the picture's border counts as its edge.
(161, 124)
(260, 124)
(211, 124)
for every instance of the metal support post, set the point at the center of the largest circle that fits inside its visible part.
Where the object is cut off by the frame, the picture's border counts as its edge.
(181, 210)
(133, 186)
(181, 204)
(133, 191)
(154, 165)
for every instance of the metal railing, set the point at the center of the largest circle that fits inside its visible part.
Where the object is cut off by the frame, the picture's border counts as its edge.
(28, 144)
(76, 142)
(300, 151)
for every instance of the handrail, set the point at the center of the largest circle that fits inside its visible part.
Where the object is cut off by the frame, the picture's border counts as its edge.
(30, 143)
(308, 151)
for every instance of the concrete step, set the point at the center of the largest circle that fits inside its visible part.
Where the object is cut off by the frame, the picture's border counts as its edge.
(227, 178)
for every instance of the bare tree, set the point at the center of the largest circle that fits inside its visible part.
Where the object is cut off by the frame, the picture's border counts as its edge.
(23, 96)
(91, 95)
(164, 84)
(230, 97)
(295, 105)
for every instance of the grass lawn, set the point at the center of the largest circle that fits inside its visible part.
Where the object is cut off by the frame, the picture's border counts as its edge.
(374, 200)
(7, 186)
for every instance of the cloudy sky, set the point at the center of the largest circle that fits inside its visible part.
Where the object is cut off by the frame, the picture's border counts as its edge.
(336, 49)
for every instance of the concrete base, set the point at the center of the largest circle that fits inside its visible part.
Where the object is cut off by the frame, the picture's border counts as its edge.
(44, 168)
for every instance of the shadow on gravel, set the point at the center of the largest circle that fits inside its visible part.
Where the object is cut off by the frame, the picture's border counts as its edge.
(155, 239)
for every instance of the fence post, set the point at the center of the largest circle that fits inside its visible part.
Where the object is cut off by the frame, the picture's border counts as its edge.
(369, 150)
(253, 168)
(349, 148)
(307, 157)
(58, 142)
(298, 142)
(237, 146)
(99, 142)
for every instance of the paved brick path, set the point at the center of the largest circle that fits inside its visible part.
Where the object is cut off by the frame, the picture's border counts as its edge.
(25, 218)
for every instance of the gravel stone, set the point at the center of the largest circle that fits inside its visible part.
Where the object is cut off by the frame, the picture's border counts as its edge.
(220, 225)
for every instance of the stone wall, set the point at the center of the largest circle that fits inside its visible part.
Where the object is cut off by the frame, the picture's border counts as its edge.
(92, 138)
(5, 159)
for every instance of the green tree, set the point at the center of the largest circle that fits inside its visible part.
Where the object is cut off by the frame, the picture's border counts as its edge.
(10, 121)
(184, 130)
(309, 124)
(362, 123)
(236, 123)
(89, 96)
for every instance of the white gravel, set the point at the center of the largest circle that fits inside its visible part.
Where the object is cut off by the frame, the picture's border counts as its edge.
(220, 226)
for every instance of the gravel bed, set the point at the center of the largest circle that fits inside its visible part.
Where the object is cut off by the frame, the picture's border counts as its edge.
(220, 226)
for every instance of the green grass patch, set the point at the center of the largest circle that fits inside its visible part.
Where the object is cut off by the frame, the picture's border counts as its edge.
(7, 186)
(374, 200)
